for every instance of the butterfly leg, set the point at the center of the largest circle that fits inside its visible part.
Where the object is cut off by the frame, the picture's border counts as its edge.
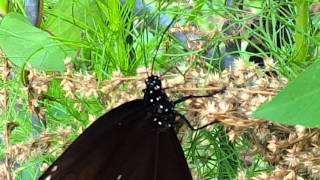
(194, 96)
(191, 97)
(189, 124)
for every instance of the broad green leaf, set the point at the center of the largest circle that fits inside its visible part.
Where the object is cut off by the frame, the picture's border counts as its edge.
(61, 21)
(298, 103)
(69, 18)
(22, 43)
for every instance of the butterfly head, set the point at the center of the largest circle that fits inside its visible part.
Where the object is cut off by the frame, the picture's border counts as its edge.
(154, 94)
(154, 82)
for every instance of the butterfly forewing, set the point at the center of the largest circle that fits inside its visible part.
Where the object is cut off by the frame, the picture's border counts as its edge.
(88, 151)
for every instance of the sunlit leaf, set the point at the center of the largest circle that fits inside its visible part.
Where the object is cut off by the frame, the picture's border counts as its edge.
(298, 103)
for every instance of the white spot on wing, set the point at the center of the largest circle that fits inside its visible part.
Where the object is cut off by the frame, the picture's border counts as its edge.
(119, 177)
(54, 168)
(48, 177)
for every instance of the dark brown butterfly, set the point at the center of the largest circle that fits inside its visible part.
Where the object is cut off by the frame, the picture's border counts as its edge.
(135, 141)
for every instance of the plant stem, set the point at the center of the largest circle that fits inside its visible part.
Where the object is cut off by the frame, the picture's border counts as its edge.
(302, 30)
(4, 7)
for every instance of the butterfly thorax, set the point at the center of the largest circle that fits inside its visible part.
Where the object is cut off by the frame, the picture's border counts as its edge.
(163, 114)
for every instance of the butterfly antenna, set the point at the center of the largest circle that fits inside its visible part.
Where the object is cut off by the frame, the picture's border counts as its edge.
(161, 38)
(144, 39)
(144, 47)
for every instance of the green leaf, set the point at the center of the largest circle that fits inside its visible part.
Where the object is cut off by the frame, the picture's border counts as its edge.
(68, 19)
(22, 43)
(60, 21)
(298, 103)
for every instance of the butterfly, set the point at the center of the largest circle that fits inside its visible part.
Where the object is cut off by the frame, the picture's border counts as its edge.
(134, 141)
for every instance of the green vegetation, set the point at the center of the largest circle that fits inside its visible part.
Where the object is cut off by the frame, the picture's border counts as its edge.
(68, 95)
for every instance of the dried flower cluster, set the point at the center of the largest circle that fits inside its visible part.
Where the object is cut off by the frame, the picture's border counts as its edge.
(5, 68)
(279, 174)
(247, 87)
(75, 83)
(37, 83)
(121, 89)
(293, 150)
(3, 171)
(19, 153)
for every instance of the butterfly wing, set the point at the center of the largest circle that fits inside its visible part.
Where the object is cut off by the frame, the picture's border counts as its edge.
(157, 156)
(89, 152)
(171, 161)
(120, 145)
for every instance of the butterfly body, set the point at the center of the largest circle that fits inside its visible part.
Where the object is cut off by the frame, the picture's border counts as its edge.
(163, 113)
(135, 141)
